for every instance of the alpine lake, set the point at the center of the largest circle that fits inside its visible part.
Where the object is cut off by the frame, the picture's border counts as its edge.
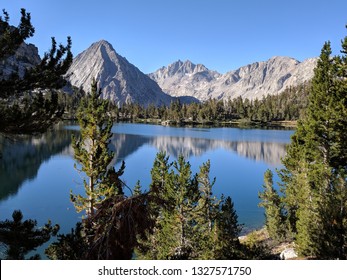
(37, 173)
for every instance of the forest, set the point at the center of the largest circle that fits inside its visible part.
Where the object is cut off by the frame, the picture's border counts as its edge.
(178, 216)
(289, 105)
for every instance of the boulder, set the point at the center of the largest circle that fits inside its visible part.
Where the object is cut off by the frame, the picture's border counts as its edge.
(288, 254)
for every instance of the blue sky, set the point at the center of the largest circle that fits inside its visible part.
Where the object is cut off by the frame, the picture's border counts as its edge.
(221, 34)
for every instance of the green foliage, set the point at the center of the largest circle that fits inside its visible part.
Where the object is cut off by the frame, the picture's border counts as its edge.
(113, 220)
(11, 38)
(69, 246)
(31, 114)
(227, 230)
(289, 105)
(23, 110)
(314, 177)
(255, 247)
(189, 222)
(271, 201)
(18, 237)
(93, 155)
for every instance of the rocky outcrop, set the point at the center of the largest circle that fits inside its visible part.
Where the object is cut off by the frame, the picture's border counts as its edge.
(121, 82)
(288, 253)
(26, 56)
(185, 79)
(251, 81)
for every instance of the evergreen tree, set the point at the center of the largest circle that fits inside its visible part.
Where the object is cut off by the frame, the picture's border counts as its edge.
(189, 222)
(172, 236)
(18, 237)
(206, 214)
(71, 246)
(177, 232)
(147, 247)
(113, 220)
(20, 113)
(271, 201)
(227, 244)
(11, 38)
(92, 153)
(314, 178)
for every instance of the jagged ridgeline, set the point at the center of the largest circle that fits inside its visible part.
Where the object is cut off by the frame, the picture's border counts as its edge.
(122, 82)
(252, 81)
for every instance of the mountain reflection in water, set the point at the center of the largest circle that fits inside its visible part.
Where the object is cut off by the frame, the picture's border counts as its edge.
(37, 172)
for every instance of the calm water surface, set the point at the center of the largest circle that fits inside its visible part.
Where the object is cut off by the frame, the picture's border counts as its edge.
(37, 173)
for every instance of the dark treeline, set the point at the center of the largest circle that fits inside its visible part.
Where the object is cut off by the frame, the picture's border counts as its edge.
(289, 105)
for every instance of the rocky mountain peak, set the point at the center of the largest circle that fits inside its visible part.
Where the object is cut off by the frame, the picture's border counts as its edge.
(180, 68)
(251, 81)
(119, 80)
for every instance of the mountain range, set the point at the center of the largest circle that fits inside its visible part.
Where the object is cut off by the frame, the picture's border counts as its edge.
(251, 81)
(122, 82)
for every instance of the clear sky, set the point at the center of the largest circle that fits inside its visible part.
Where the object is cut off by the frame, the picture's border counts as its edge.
(221, 34)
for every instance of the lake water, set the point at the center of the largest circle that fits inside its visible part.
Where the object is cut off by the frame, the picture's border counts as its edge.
(37, 173)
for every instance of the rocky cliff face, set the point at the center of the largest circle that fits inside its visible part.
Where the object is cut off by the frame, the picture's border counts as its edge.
(185, 79)
(120, 81)
(25, 57)
(251, 81)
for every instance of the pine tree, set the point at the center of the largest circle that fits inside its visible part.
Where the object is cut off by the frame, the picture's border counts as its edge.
(20, 237)
(182, 193)
(314, 178)
(17, 116)
(189, 221)
(92, 153)
(11, 38)
(271, 201)
(147, 247)
(206, 214)
(70, 246)
(172, 236)
(228, 229)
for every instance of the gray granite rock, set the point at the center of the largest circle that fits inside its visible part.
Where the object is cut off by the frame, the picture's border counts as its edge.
(120, 81)
(251, 81)
(288, 253)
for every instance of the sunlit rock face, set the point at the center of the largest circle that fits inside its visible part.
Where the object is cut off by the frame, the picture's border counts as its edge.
(251, 81)
(119, 80)
(26, 57)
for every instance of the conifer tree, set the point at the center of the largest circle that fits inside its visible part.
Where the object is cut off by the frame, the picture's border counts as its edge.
(270, 200)
(11, 38)
(172, 236)
(19, 112)
(227, 244)
(147, 247)
(19, 237)
(182, 193)
(189, 221)
(93, 154)
(314, 178)
(206, 214)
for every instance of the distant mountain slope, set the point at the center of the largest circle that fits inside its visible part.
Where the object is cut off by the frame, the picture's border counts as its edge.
(251, 81)
(185, 79)
(120, 81)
